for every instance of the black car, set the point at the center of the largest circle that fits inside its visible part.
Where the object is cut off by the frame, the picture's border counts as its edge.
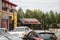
(43, 35)
(46, 35)
(32, 36)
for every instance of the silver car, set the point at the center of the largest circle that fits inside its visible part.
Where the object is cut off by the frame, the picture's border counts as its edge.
(3, 38)
(20, 31)
(3, 30)
(10, 37)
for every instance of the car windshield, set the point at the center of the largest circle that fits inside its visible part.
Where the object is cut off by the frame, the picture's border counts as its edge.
(3, 38)
(46, 35)
(18, 29)
(12, 37)
(1, 30)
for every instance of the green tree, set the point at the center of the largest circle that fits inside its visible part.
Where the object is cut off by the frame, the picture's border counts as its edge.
(58, 18)
(52, 18)
(46, 19)
(20, 13)
(28, 14)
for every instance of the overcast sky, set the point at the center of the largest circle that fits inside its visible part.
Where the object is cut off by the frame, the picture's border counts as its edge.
(44, 5)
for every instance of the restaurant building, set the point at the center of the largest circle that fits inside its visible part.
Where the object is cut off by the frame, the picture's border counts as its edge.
(8, 16)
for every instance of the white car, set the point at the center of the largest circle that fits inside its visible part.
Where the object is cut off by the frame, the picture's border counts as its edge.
(3, 30)
(11, 37)
(21, 31)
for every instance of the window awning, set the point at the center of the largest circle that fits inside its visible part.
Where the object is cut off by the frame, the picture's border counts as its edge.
(29, 21)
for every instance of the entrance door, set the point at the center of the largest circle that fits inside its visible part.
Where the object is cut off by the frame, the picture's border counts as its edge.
(4, 23)
(11, 25)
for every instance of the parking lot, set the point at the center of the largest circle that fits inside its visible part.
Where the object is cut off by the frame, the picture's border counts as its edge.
(25, 33)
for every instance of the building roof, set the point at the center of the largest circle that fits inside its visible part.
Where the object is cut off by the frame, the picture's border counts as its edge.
(9, 2)
(29, 21)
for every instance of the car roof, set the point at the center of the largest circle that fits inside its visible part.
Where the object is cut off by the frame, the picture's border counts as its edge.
(22, 27)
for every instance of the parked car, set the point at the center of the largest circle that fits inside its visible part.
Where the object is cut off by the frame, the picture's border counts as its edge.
(46, 35)
(41, 35)
(10, 37)
(32, 36)
(3, 30)
(21, 31)
(3, 38)
(4, 35)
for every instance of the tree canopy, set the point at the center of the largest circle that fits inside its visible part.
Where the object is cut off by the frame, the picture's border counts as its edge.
(48, 19)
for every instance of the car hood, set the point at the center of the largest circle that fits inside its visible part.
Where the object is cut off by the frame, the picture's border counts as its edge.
(15, 32)
(19, 34)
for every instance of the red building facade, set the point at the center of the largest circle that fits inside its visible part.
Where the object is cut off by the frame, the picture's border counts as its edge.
(7, 12)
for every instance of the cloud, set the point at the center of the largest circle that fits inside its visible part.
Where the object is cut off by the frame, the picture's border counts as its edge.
(44, 5)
